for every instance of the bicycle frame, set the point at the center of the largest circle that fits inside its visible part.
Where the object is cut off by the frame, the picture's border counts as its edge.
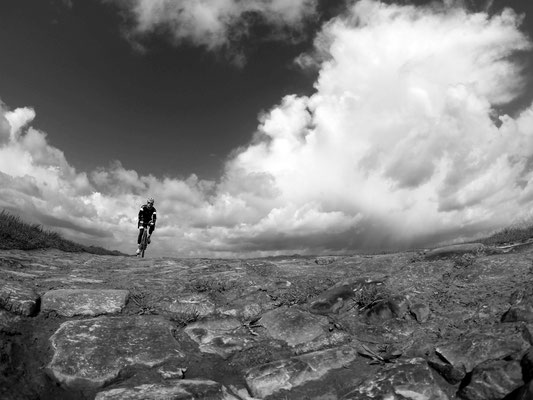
(144, 238)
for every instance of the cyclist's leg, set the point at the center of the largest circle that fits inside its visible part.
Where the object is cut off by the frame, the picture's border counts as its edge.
(139, 237)
(150, 231)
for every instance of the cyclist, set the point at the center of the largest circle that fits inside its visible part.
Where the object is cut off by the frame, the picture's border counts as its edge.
(147, 217)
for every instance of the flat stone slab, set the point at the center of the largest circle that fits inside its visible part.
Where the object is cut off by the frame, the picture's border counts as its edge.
(88, 302)
(420, 311)
(244, 311)
(18, 299)
(292, 372)
(293, 326)
(222, 336)
(406, 379)
(248, 304)
(91, 353)
(328, 340)
(186, 389)
(7, 320)
(493, 379)
(198, 304)
(477, 348)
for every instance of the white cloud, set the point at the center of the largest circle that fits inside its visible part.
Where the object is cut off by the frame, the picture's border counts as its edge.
(397, 147)
(17, 119)
(37, 182)
(398, 142)
(217, 25)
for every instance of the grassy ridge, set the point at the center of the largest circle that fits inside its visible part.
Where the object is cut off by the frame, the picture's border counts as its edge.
(515, 234)
(17, 234)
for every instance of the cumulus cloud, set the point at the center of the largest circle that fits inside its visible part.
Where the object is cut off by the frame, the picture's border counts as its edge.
(100, 207)
(217, 25)
(400, 145)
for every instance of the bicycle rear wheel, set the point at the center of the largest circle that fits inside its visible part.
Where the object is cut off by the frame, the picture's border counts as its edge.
(144, 241)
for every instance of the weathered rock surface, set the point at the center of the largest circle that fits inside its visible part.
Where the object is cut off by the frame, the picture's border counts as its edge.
(249, 303)
(327, 340)
(286, 374)
(394, 307)
(523, 312)
(407, 379)
(198, 304)
(87, 302)
(7, 320)
(222, 336)
(352, 327)
(475, 349)
(186, 389)
(452, 374)
(91, 353)
(493, 380)
(293, 325)
(420, 311)
(18, 299)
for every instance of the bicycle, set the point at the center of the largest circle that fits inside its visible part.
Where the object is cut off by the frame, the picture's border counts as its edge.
(144, 240)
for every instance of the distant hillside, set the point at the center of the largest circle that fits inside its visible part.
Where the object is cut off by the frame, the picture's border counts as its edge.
(17, 234)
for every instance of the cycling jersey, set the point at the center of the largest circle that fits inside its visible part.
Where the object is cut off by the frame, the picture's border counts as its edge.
(147, 214)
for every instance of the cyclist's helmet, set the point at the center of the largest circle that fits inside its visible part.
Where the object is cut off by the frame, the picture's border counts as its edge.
(150, 201)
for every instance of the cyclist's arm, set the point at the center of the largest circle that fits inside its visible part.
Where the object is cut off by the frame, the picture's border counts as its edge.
(140, 217)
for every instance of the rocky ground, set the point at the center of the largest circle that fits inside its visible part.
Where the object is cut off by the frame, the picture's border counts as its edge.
(451, 323)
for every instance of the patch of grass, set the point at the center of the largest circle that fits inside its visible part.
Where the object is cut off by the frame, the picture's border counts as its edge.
(143, 301)
(301, 291)
(369, 295)
(211, 285)
(464, 261)
(184, 318)
(17, 234)
(513, 234)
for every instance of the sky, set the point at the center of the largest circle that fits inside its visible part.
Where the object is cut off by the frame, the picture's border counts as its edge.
(267, 127)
